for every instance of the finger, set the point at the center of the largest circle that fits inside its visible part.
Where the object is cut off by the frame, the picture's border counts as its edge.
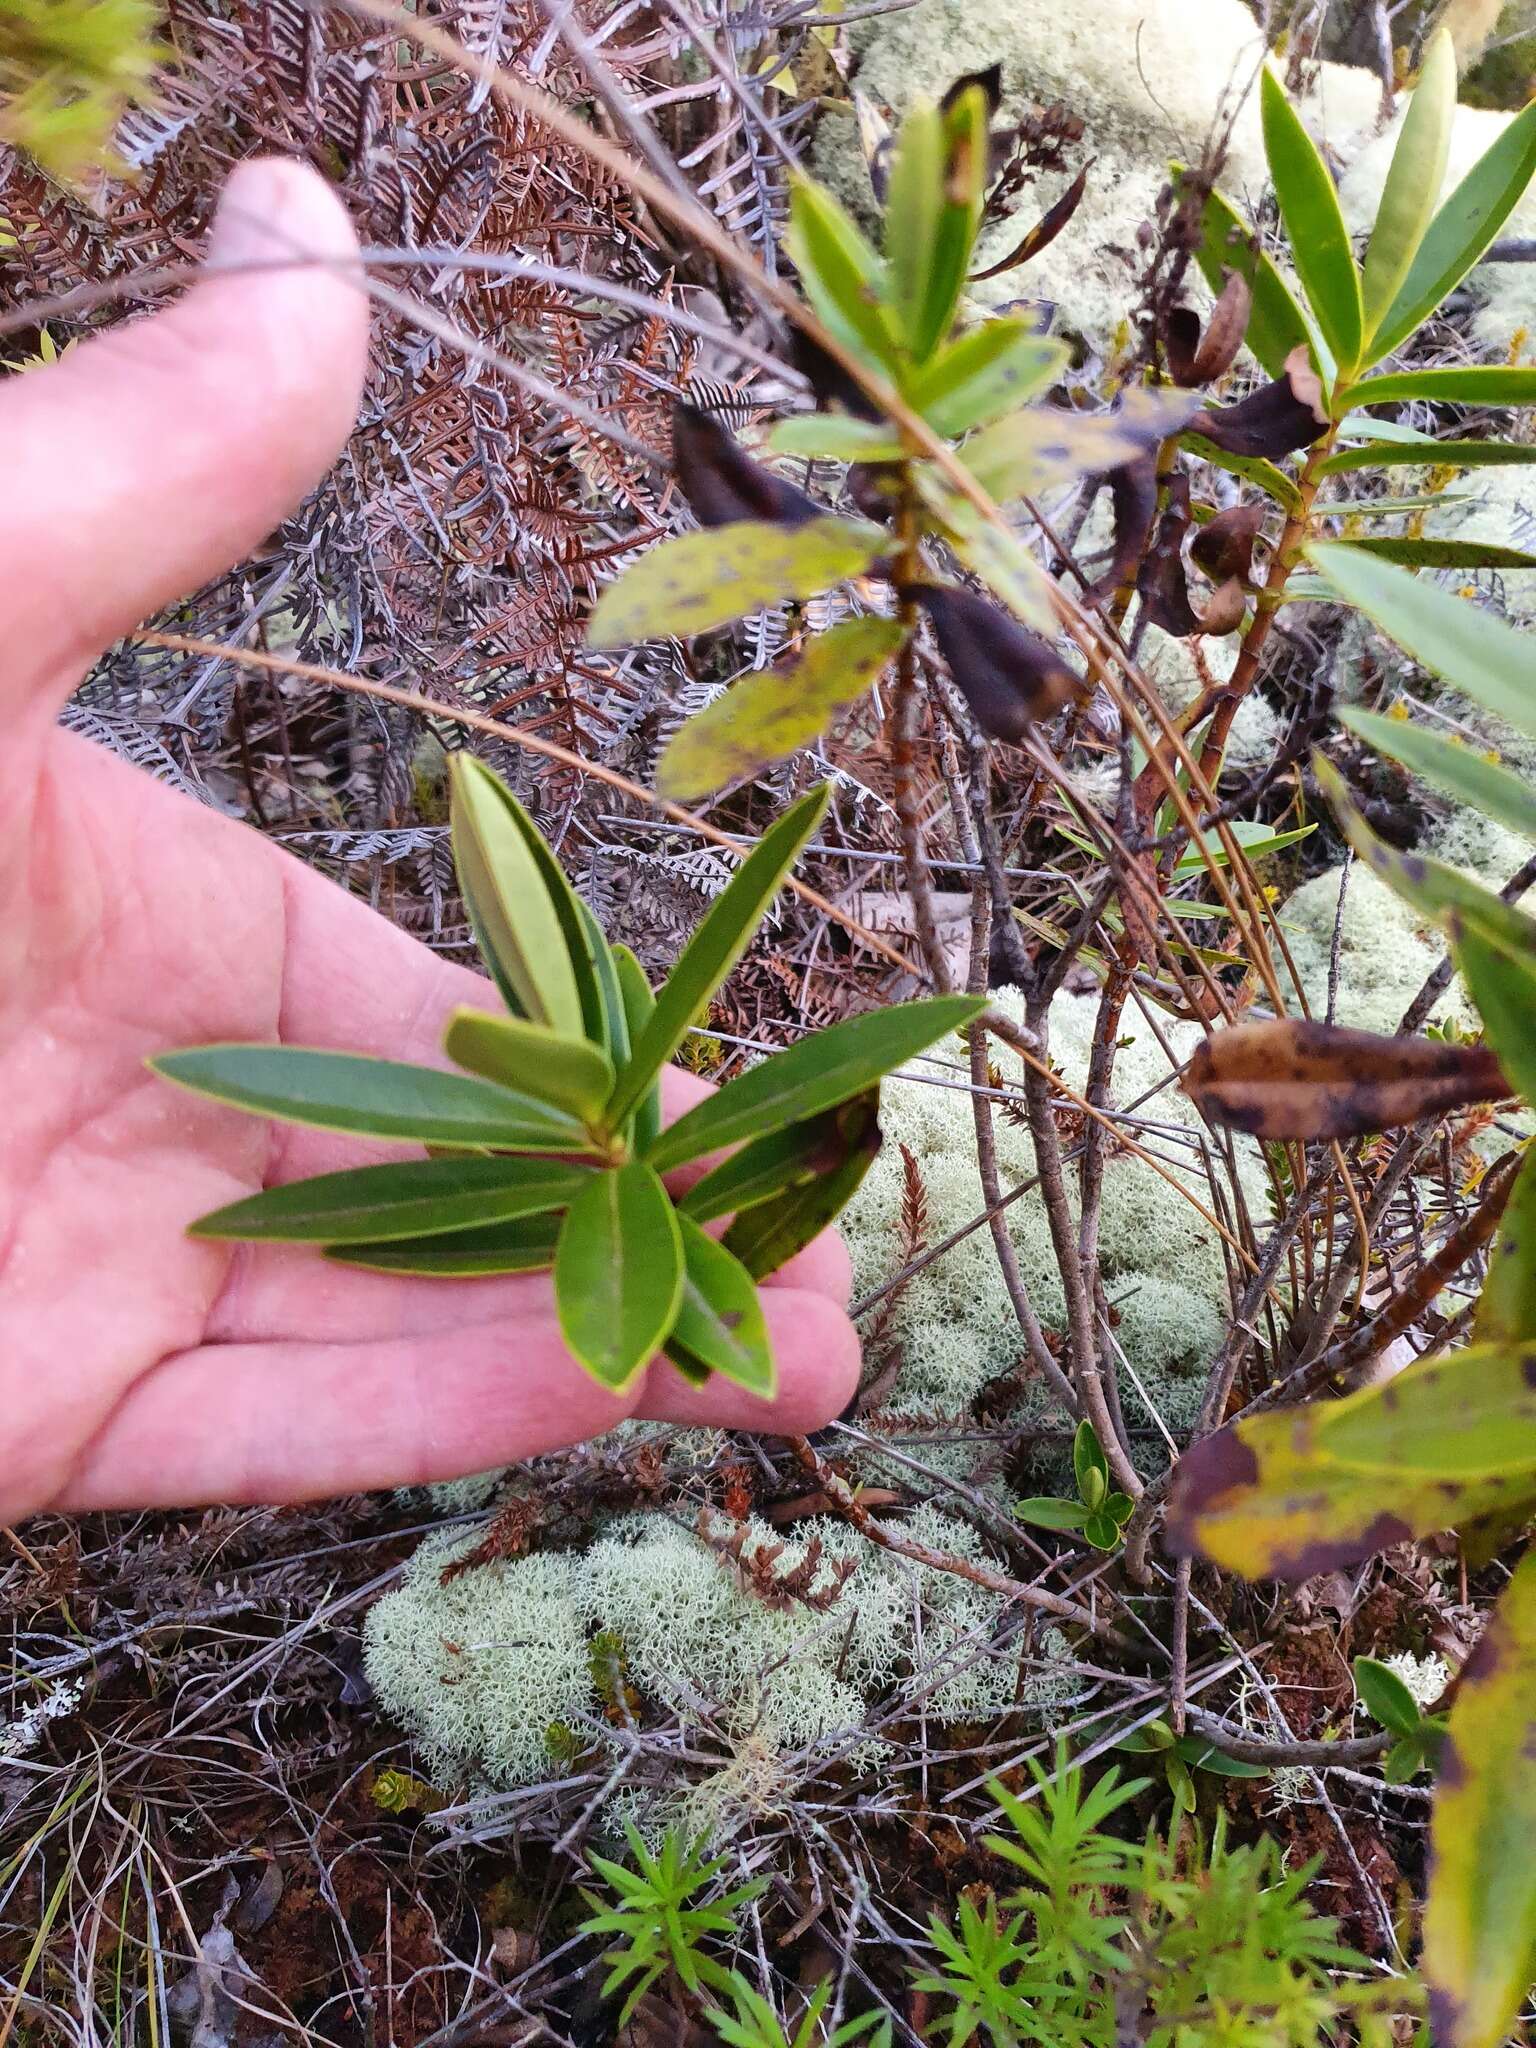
(152, 458)
(270, 1423)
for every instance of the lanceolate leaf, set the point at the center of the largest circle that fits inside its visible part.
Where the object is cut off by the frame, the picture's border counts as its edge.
(1429, 454)
(1413, 182)
(842, 276)
(1502, 979)
(714, 949)
(1252, 468)
(720, 1320)
(1046, 1513)
(766, 716)
(1480, 384)
(1314, 223)
(766, 1236)
(776, 1162)
(618, 1272)
(962, 179)
(836, 437)
(1467, 647)
(1506, 1308)
(506, 892)
(1433, 889)
(987, 372)
(1037, 445)
(1423, 552)
(614, 1034)
(1305, 1490)
(703, 580)
(1385, 1697)
(1276, 324)
(639, 1001)
(1460, 232)
(418, 1198)
(569, 1074)
(821, 1070)
(343, 1091)
(1455, 768)
(914, 203)
(524, 1245)
(1480, 1919)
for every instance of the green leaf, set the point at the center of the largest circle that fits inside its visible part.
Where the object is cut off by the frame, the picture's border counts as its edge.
(1417, 552)
(773, 713)
(819, 1071)
(1254, 837)
(962, 181)
(343, 1091)
(1252, 468)
(1480, 384)
(1120, 1508)
(1467, 647)
(1305, 1490)
(1180, 1783)
(1314, 224)
(836, 437)
(639, 1001)
(1414, 179)
(612, 1034)
(1456, 769)
(567, 1073)
(914, 201)
(1439, 893)
(618, 1273)
(1276, 324)
(840, 273)
(418, 1198)
(1461, 231)
(1101, 1530)
(718, 943)
(1037, 445)
(1090, 1467)
(986, 373)
(703, 580)
(1425, 454)
(1480, 1918)
(1202, 1755)
(1502, 980)
(766, 1236)
(523, 1245)
(992, 553)
(720, 1321)
(1385, 1697)
(1506, 1308)
(1046, 1513)
(781, 1159)
(517, 923)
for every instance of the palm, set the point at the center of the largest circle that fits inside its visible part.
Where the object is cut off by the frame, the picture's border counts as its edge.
(135, 1364)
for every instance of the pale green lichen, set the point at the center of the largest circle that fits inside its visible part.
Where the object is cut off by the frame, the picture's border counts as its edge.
(483, 1667)
(1386, 951)
(954, 1326)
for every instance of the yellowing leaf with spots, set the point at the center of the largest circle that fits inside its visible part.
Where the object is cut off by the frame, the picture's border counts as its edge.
(766, 716)
(704, 580)
(1304, 1490)
(1480, 1920)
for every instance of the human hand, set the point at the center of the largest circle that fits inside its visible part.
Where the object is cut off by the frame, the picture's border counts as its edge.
(139, 1367)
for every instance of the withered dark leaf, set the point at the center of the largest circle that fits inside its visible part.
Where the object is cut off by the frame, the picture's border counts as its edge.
(990, 79)
(1044, 231)
(1133, 504)
(1224, 546)
(1162, 579)
(828, 380)
(1199, 356)
(721, 481)
(1010, 677)
(874, 487)
(1273, 421)
(1298, 1078)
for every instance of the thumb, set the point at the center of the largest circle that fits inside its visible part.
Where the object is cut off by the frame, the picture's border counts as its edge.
(152, 458)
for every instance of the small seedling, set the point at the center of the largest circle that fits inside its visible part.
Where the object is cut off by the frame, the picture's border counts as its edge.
(1098, 1511)
(1392, 1706)
(548, 1148)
